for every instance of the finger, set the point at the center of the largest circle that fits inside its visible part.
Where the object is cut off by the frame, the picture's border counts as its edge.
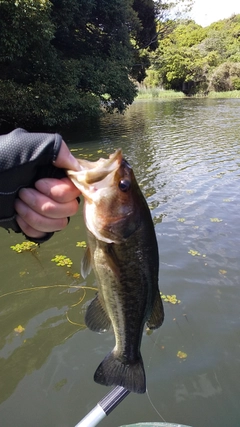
(60, 190)
(29, 231)
(44, 205)
(65, 159)
(39, 222)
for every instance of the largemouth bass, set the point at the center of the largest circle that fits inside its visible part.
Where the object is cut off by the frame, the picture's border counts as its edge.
(123, 253)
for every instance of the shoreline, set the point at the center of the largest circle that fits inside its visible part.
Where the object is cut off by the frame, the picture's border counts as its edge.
(158, 93)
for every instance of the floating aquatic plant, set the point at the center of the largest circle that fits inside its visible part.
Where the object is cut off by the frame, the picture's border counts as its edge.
(19, 329)
(24, 247)
(74, 275)
(181, 355)
(62, 261)
(23, 273)
(170, 298)
(181, 220)
(215, 220)
(81, 244)
(195, 253)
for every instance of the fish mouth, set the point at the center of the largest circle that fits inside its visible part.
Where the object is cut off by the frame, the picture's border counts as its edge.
(107, 210)
(104, 167)
(93, 176)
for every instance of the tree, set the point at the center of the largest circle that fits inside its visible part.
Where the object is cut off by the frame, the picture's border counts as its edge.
(62, 60)
(179, 64)
(226, 77)
(190, 58)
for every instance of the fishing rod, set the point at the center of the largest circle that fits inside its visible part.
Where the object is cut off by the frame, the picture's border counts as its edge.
(104, 407)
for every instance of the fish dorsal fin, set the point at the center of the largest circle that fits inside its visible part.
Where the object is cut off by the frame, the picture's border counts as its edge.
(157, 315)
(96, 317)
(86, 264)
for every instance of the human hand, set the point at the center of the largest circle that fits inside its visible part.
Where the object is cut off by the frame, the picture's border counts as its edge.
(46, 208)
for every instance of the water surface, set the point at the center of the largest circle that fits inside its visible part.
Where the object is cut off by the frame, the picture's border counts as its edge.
(185, 154)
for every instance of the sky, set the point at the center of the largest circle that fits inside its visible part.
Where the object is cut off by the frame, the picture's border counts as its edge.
(204, 12)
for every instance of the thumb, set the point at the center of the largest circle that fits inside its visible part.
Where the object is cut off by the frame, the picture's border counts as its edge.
(65, 159)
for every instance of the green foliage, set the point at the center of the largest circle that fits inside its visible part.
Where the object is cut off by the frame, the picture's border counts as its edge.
(226, 77)
(228, 94)
(194, 59)
(81, 244)
(157, 92)
(25, 246)
(65, 60)
(152, 79)
(188, 34)
(62, 261)
(170, 298)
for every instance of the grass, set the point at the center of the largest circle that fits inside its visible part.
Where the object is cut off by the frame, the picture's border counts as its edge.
(229, 94)
(155, 92)
(158, 93)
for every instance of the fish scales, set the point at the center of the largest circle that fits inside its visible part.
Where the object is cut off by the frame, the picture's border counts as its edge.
(123, 253)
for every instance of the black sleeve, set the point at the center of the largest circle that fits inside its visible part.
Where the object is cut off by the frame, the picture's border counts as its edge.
(24, 158)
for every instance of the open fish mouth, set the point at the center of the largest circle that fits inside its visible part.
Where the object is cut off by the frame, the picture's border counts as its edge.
(99, 184)
(93, 176)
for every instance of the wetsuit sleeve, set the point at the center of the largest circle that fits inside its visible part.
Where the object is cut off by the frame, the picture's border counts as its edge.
(24, 158)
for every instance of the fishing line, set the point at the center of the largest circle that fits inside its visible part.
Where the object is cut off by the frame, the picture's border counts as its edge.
(154, 407)
(155, 343)
(39, 288)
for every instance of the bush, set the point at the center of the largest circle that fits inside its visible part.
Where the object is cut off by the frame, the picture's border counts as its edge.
(225, 77)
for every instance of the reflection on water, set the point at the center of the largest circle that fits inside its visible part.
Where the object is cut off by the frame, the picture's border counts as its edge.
(185, 154)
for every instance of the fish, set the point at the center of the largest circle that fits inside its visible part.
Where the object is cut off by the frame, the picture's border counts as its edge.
(123, 253)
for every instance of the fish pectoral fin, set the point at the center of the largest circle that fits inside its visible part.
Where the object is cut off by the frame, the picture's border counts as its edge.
(96, 317)
(115, 371)
(157, 315)
(86, 264)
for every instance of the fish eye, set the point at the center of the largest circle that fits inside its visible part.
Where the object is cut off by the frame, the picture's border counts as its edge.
(124, 185)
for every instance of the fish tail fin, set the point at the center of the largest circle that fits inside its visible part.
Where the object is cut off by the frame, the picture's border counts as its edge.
(114, 371)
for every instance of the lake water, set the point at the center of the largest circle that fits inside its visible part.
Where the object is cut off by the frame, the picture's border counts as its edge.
(186, 157)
